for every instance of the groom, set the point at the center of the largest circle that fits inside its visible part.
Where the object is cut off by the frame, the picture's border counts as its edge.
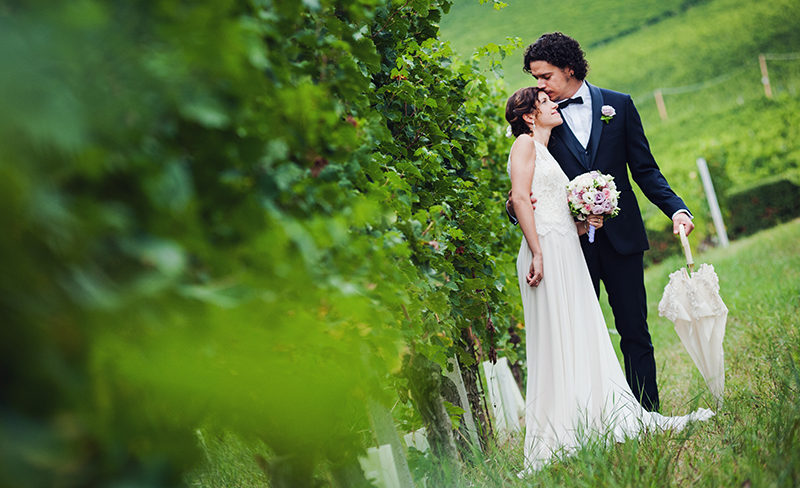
(602, 131)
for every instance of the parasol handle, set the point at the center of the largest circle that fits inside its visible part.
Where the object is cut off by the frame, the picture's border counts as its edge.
(687, 251)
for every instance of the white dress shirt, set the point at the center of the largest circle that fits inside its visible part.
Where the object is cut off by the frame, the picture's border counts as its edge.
(578, 116)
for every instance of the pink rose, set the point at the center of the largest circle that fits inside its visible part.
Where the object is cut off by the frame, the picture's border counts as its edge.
(608, 111)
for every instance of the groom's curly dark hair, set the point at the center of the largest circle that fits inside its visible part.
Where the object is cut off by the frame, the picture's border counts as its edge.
(559, 50)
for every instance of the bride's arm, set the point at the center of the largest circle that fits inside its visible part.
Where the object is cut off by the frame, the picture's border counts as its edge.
(523, 163)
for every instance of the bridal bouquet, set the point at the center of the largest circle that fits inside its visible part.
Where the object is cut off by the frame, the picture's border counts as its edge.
(592, 193)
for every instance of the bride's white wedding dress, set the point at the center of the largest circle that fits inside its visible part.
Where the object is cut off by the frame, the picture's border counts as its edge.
(576, 387)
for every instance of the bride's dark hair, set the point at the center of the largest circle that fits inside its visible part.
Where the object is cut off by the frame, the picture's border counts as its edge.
(523, 101)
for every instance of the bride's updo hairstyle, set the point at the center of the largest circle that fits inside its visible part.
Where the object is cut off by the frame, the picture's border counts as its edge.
(522, 102)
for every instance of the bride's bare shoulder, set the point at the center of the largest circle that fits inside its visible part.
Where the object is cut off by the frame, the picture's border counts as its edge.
(524, 147)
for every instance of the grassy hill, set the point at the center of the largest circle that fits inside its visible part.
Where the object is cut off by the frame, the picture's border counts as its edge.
(470, 25)
(703, 54)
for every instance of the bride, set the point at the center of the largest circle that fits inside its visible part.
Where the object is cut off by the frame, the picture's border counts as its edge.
(576, 388)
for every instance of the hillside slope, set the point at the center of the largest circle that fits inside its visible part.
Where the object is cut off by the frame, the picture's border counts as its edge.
(703, 54)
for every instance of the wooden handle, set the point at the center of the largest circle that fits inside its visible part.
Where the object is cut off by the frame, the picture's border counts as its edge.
(687, 251)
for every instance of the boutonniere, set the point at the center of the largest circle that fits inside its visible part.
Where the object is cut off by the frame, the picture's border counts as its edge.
(608, 113)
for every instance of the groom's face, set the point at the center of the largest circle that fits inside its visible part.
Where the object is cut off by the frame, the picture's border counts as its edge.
(554, 81)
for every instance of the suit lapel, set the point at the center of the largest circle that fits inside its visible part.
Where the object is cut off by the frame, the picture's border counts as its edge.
(597, 124)
(568, 138)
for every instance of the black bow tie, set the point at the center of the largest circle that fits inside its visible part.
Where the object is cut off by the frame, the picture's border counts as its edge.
(562, 105)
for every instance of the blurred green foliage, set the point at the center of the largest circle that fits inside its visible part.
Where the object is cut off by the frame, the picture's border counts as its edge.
(237, 214)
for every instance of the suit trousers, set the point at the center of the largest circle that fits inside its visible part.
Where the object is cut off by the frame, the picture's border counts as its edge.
(623, 279)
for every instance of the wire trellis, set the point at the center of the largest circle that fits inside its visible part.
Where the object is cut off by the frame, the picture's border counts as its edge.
(762, 58)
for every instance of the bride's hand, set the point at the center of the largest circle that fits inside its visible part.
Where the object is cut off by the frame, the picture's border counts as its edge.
(595, 220)
(535, 274)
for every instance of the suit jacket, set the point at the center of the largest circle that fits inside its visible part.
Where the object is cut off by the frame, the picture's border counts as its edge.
(613, 148)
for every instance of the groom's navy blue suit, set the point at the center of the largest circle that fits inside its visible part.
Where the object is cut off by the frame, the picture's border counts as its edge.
(616, 256)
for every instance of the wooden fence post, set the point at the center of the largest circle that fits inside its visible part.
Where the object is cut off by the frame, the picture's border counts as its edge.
(762, 60)
(662, 109)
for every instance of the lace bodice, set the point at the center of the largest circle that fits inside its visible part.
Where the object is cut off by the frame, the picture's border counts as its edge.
(549, 187)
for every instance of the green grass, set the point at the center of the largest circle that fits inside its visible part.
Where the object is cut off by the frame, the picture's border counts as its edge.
(671, 44)
(229, 461)
(754, 437)
(753, 440)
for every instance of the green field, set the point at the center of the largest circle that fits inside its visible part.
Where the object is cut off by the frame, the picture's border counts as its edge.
(704, 57)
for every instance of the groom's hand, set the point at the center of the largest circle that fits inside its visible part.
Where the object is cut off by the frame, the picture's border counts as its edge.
(510, 205)
(682, 218)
